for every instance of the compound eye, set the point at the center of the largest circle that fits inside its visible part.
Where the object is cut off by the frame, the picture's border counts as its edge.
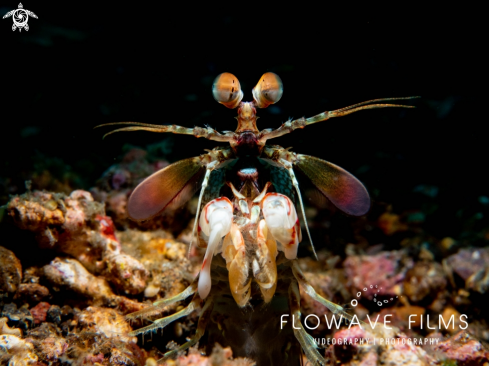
(226, 90)
(268, 91)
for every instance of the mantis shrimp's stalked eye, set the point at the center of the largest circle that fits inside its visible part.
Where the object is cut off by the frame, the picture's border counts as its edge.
(268, 91)
(226, 90)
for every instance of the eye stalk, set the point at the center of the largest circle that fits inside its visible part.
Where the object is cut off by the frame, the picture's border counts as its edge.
(227, 90)
(268, 91)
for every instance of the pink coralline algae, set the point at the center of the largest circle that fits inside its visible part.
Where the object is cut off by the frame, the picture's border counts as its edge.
(377, 346)
(219, 356)
(364, 345)
(380, 274)
(39, 312)
(463, 349)
(77, 225)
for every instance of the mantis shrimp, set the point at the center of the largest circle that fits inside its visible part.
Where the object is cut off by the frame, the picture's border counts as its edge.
(247, 213)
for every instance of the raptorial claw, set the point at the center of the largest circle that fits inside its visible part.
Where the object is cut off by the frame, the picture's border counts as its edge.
(283, 223)
(215, 222)
(265, 260)
(234, 252)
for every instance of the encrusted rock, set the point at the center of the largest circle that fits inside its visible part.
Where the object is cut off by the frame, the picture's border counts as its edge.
(70, 272)
(380, 274)
(77, 225)
(31, 292)
(18, 351)
(390, 347)
(35, 211)
(119, 357)
(219, 356)
(5, 329)
(54, 314)
(53, 348)
(472, 265)
(22, 316)
(48, 343)
(66, 312)
(469, 261)
(105, 321)
(10, 271)
(425, 279)
(463, 350)
(171, 270)
(127, 273)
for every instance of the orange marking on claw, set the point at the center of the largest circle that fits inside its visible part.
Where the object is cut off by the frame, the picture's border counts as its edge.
(293, 234)
(205, 214)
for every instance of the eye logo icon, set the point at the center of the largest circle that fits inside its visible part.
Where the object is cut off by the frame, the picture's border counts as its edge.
(20, 17)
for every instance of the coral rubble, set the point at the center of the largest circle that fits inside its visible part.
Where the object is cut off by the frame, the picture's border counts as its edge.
(70, 308)
(10, 271)
(76, 225)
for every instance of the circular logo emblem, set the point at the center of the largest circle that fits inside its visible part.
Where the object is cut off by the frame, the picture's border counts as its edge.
(20, 18)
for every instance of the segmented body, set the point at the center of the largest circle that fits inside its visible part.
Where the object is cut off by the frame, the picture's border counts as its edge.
(248, 223)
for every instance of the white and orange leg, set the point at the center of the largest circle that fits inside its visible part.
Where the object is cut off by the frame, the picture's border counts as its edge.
(308, 289)
(306, 340)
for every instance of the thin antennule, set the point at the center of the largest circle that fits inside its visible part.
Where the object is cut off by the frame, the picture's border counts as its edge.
(378, 100)
(358, 107)
(136, 126)
(129, 123)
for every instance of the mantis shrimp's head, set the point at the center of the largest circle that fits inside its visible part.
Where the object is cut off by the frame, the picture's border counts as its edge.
(227, 91)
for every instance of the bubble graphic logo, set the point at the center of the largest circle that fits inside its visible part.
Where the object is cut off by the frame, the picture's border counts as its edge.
(20, 17)
(354, 302)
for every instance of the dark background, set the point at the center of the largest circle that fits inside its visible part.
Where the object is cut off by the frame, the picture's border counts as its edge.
(82, 65)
